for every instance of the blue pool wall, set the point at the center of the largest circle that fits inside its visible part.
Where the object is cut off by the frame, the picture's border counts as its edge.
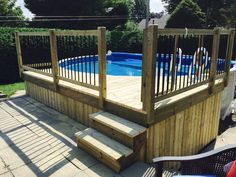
(119, 56)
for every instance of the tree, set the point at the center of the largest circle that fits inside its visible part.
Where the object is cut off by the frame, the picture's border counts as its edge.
(215, 10)
(229, 15)
(139, 9)
(171, 5)
(8, 8)
(93, 9)
(187, 14)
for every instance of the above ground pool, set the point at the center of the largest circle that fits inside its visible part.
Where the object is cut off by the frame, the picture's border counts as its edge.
(127, 64)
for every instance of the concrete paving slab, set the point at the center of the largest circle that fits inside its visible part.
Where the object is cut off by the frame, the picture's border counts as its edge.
(4, 144)
(13, 157)
(79, 158)
(139, 169)
(3, 167)
(6, 175)
(100, 170)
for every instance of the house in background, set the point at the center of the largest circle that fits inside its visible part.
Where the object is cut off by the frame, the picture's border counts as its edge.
(161, 22)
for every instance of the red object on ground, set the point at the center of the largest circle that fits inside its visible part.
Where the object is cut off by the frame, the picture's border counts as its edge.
(232, 171)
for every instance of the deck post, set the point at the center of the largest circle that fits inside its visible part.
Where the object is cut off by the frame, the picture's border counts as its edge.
(144, 66)
(151, 72)
(19, 53)
(214, 58)
(229, 55)
(54, 56)
(102, 48)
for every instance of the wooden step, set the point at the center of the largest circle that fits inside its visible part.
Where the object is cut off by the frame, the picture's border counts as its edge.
(2, 95)
(110, 152)
(122, 130)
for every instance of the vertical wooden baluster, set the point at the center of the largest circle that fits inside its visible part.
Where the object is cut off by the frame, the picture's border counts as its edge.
(79, 58)
(173, 73)
(90, 60)
(214, 58)
(201, 58)
(184, 60)
(168, 75)
(102, 48)
(19, 54)
(159, 73)
(94, 60)
(54, 56)
(163, 73)
(229, 55)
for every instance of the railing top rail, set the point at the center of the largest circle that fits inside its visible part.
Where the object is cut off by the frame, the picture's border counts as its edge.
(62, 33)
(190, 32)
(44, 33)
(77, 33)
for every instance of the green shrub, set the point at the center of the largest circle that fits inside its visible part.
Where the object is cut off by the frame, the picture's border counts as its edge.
(127, 40)
(8, 57)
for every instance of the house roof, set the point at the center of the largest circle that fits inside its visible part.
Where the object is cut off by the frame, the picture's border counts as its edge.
(160, 21)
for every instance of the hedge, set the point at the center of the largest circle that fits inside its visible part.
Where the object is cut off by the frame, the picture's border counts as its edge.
(117, 41)
(8, 58)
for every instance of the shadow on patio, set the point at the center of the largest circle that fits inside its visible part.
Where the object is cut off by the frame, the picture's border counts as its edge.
(36, 140)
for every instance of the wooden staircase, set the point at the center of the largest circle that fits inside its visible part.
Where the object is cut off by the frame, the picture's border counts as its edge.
(113, 140)
(2, 96)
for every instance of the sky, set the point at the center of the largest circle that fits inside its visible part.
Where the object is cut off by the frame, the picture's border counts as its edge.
(155, 6)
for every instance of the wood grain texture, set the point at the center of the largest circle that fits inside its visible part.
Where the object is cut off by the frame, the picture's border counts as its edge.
(102, 49)
(186, 132)
(71, 107)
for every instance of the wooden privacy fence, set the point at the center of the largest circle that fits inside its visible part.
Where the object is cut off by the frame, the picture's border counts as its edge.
(78, 57)
(177, 60)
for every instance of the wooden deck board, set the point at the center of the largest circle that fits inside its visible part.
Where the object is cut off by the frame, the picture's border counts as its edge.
(125, 90)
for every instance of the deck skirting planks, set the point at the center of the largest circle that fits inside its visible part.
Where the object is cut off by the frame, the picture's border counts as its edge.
(73, 108)
(186, 132)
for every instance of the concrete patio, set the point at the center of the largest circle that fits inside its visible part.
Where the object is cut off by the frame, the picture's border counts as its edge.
(36, 140)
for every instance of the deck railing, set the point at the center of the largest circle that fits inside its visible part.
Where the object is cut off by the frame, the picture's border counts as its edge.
(174, 60)
(177, 60)
(77, 56)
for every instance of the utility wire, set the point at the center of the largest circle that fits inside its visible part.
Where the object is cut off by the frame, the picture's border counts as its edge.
(90, 16)
(70, 19)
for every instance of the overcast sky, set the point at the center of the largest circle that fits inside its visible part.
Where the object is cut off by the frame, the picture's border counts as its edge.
(155, 6)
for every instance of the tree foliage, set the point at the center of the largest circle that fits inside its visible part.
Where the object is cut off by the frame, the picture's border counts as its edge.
(90, 8)
(8, 8)
(218, 12)
(139, 9)
(187, 14)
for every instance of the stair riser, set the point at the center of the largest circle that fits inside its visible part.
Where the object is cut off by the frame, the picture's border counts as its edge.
(128, 141)
(113, 164)
(3, 96)
(132, 142)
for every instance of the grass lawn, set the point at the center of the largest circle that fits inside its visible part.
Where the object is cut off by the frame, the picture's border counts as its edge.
(10, 89)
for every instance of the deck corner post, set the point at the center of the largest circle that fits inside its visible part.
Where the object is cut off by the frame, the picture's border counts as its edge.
(144, 66)
(214, 58)
(102, 48)
(229, 55)
(19, 53)
(151, 72)
(54, 56)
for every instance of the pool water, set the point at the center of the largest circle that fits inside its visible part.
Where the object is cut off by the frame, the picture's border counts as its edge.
(125, 64)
